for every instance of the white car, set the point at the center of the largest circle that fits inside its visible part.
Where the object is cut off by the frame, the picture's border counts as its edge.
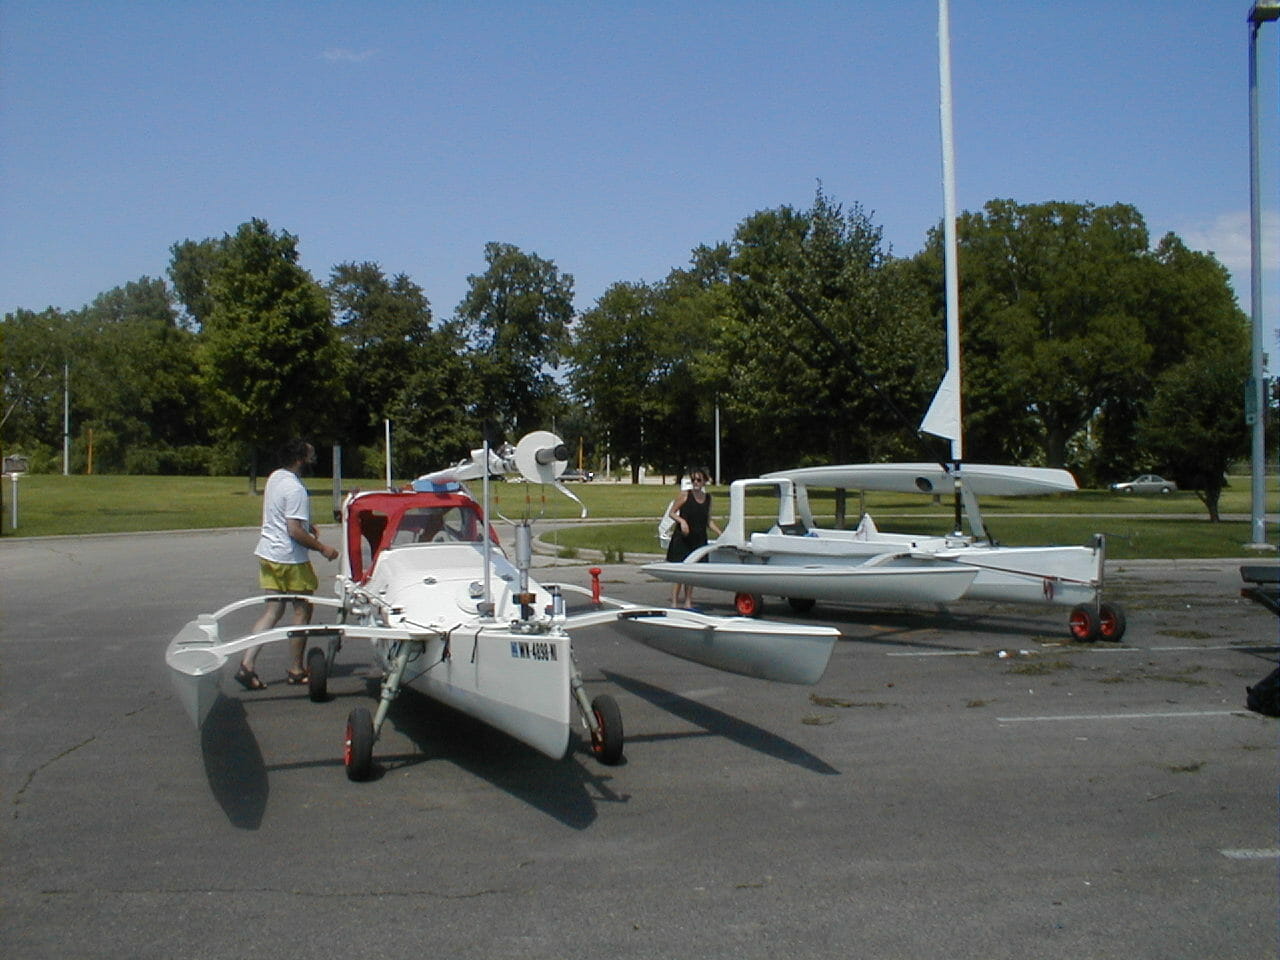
(1147, 483)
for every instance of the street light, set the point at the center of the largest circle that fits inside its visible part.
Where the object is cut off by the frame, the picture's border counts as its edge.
(1259, 13)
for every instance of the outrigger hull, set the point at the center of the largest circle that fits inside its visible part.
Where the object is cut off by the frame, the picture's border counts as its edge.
(196, 673)
(198, 653)
(788, 653)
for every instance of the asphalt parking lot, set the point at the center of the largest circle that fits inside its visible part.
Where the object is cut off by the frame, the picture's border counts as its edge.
(961, 783)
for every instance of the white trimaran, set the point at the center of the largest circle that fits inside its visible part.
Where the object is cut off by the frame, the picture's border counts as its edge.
(423, 580)
(802, 562)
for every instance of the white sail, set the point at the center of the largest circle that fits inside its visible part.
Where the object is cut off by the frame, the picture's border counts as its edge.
(943, 416)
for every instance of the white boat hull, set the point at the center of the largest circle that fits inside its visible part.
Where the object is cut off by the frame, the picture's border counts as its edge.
(196, 673)
(785, 653)
(822, 579)
(1058, 575)
(932, 478)
(516, 683)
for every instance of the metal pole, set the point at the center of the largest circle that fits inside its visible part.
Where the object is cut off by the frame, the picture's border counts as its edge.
(387, 431)
(1255, 406)
(952, 270)
(337, 481)
(66, 420)
(485, 608)
(717, 443)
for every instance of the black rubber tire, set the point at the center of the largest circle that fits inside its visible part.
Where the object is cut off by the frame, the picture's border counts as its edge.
(607, 744)
(1083, 624)
(317, 675)
(1111, 622)
(801, 604)
(357, 752)
(748, 604)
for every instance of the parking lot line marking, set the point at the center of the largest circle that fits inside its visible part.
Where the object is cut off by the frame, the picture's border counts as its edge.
(1090, 649)
(1225, 646)
(1171, 715)
(1263, 854)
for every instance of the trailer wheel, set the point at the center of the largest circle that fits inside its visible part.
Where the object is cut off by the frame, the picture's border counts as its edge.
(357, 750)
(1111, 622)
(801, 604)
(748, 604)
(607, 743)
(317, 675)
(1083, 624)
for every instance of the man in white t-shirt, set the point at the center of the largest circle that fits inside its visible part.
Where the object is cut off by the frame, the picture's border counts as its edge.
(283, 552)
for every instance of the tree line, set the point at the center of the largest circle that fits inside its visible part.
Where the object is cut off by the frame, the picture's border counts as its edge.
(1083, 345)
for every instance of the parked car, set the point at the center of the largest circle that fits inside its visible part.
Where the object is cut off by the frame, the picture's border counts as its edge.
(580, 476)
(1147, 483)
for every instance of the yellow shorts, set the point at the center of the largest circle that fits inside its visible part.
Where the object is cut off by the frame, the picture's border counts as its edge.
(287, 577)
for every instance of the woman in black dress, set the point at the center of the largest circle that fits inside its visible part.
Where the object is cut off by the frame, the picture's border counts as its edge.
(692, 514)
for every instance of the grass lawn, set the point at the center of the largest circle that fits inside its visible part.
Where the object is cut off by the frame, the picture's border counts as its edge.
(1171, 526)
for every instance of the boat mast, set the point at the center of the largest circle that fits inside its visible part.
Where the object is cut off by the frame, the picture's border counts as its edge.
(949, 223)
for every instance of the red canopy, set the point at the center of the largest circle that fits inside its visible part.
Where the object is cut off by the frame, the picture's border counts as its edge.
(379, 520)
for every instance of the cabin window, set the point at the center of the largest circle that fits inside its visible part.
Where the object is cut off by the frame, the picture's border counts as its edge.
(438, 525)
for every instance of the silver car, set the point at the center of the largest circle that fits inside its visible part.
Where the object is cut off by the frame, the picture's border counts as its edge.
(1147, 483)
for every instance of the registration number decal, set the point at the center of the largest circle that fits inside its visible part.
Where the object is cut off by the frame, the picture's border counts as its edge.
(533, 650)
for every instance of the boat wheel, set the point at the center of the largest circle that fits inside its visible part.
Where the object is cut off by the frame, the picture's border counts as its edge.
(748, 604)
(357, 750)
(606, 743)
(317, 675)
(1111, 622)
(1083, 624)
(801, 604)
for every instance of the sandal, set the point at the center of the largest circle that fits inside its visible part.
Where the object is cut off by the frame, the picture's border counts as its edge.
(297, 678)
(249, 680)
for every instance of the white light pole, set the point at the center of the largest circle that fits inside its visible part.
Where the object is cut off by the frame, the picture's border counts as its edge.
(1261, 12)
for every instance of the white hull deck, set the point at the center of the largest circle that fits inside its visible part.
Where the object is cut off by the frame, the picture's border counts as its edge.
(819, 577)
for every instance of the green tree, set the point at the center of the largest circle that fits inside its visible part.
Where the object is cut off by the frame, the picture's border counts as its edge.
(404, 368)
(1052, 322)
(636, 358)
(32, 353)
(132, 377)
(615, 367)
(516, 317)
(795, 391)
(435, 419)
(191, 267)
(1067, 317)
(1194, 425)
(693, 303)
(1187, 307)
(270, 360)
(384, 324)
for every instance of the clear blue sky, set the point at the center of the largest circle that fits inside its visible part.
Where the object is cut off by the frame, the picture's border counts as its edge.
(609, 137)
